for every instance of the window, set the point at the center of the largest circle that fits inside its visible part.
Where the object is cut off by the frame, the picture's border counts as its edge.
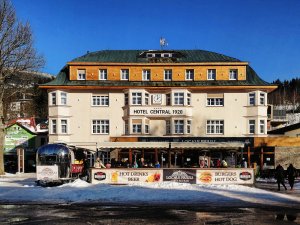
(188, 99)
(100, 127)
(53, 127)
(251, 98)
(126, 99)
(251, 126)
(168, 74)
(103, 74)
(146, 128)
(189, 74)
(136, 98)
(168, 127)
(188, 126)
(211, 74)
(136, 128)
(126, 127)
(64, 126)
(215, 127)
(53, 98)
(262, 126)
(81, 75)
(100, 100)
(63, 98)
(215, 102)
(262, 98)
(168, 99)
(125, 74)
(146, 74)
(179, 126)
(179, 98)
(146, 99)
(233, 74)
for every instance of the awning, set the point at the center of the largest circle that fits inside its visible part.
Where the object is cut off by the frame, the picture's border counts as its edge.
(173, 145)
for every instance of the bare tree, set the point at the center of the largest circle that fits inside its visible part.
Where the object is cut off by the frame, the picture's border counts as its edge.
(17, 54)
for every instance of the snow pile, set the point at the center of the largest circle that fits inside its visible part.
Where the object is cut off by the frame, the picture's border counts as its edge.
(24, 190)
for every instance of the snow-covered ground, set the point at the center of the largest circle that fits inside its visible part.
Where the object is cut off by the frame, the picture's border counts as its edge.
(16, 189)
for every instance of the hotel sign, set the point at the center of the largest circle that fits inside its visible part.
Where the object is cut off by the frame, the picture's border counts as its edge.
(159, 111)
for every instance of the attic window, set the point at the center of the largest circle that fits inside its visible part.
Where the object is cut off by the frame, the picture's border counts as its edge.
(150, 55)
(167, 55)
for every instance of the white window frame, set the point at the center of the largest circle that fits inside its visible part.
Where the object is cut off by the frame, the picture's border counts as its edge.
(178, 126)
(103, 74)
(262, 126)
(100, 126)
(146, 74)
(53, 98)
(81, 74)
(136, 128)
(63, 98)
(136, 98)
(53, 126)
(124, 74)
(64, 126)
(233, 74)
(215, 127)
(252, 98)
(215, 102)
(178, 98)
(251, 126)
(262, 98)
(168, 73)
(100, 100)
(189, 74)
(211, 74)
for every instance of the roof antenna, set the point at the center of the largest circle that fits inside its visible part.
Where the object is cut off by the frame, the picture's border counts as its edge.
(163, 42)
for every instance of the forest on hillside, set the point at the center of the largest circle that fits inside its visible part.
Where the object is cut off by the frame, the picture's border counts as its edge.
(287, 93)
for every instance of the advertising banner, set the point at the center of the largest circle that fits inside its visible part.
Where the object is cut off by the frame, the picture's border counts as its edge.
(231, 176)
(47, 173)
(180, 175)
(123, 176)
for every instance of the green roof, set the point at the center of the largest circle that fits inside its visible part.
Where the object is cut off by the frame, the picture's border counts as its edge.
(134, 56)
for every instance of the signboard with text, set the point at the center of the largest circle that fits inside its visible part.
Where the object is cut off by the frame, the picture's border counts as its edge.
(47, 173)
(180, 175)
(159, 111)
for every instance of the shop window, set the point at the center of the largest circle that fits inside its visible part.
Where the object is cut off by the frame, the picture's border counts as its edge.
(103, 74)
(81, 74)
(215, 127)
(100, 127)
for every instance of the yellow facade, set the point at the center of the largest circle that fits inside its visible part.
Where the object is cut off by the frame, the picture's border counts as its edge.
(157, 71)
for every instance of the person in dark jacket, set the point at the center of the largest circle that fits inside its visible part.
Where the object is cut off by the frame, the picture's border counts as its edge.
(279, 175)
(291, 174)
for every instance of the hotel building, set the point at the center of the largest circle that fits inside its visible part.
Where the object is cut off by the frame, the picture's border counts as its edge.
(171, 106)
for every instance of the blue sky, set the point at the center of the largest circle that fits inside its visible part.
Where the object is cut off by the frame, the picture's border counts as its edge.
(266, 33)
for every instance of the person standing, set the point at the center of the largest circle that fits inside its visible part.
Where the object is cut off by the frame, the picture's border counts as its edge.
(279, 175)
(291, 174)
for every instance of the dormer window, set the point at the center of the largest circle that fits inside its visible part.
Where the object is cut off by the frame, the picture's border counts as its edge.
(167, 55)
(81, 74)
